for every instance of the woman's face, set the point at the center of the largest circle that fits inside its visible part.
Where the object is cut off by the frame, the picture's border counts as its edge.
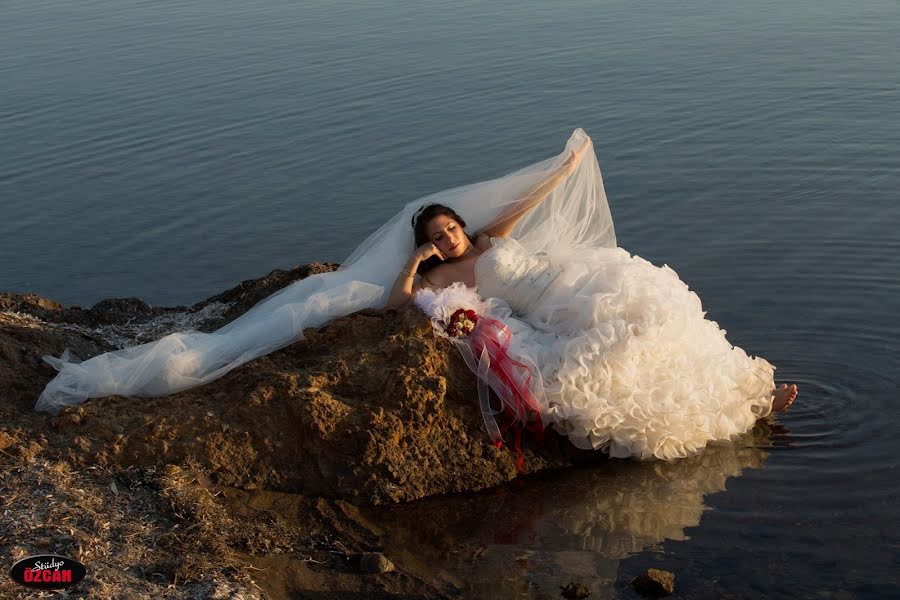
(447, 235)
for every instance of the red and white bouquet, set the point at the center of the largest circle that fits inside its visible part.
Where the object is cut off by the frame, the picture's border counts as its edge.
(461, 316)
(454, 310)
(462, 322)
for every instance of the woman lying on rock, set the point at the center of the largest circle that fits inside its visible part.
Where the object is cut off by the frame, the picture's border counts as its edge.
(614, 352)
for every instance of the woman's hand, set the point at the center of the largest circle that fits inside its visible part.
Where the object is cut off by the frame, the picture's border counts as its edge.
(427, 250)
(575, 158)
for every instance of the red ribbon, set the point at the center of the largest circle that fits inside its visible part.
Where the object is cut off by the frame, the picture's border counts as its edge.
(490, 341)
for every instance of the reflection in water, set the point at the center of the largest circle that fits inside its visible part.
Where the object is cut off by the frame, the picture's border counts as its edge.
(624, 508)
(535, 534)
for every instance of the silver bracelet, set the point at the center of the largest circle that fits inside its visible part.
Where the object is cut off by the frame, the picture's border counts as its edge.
(408, 272)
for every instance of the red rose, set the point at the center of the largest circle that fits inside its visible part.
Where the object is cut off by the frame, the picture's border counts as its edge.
(461, 322)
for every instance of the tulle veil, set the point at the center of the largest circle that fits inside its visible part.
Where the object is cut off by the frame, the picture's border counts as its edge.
(573, 219)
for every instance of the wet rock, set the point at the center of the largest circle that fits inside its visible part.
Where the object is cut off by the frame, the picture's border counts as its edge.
(374, 562)
(575, 590)
(654, 583)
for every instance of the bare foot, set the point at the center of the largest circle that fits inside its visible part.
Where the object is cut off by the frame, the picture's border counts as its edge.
(784, 397)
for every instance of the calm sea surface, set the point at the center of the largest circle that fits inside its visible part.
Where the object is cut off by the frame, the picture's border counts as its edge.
(168, 150)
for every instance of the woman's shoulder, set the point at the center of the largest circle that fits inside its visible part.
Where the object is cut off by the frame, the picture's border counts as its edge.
(484, 241)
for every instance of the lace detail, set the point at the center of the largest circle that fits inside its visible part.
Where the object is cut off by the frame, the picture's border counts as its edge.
(508, 271)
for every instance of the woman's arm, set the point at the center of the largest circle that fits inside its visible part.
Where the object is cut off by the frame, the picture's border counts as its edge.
(404, 287)
(537, 195)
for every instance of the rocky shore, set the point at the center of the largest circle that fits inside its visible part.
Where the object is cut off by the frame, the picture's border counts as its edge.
(199, 494)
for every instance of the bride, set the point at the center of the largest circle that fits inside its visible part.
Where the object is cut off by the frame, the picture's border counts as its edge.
(629, 363)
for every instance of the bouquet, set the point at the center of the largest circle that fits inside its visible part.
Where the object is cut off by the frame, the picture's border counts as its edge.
(462, 322)
(453, 310)
(458, 314)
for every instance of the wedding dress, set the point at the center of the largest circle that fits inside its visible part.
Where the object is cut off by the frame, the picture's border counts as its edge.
(628, 361)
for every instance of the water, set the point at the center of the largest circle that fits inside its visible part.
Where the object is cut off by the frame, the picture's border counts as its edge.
(170, 150)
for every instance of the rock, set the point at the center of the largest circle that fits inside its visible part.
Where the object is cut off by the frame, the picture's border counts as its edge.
(374, 562)
(247, 293)
(6, 440)
(27, 303)
(654, 583)
(371, 408)
(120, 310)
(575, 590)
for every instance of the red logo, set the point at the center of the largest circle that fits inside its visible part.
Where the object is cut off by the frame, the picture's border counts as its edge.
(47, 572)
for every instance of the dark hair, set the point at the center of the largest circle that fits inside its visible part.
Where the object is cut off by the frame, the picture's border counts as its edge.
(421, 219)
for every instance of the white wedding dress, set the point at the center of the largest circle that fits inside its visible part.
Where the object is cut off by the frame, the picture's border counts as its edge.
(628, 361)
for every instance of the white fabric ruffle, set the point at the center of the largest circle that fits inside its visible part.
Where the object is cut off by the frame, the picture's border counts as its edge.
(629, 362)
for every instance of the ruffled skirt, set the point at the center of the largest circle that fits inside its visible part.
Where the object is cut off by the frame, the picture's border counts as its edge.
(630, 364)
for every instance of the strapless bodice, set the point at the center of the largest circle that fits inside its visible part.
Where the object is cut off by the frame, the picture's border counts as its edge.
(508, 271)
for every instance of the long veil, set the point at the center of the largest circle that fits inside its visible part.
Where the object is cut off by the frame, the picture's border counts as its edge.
(574, 218)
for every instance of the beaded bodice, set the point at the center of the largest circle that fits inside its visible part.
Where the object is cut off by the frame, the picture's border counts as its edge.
(509, 272)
